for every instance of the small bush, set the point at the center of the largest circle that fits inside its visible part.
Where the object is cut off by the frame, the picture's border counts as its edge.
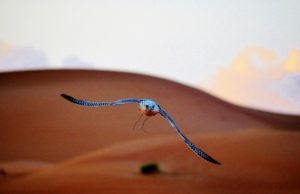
(2, 172)
(149, 168)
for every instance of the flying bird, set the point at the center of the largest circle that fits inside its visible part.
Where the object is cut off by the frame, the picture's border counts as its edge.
(150, 108)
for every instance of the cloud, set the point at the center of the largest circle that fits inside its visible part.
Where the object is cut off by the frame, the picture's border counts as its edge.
(14, 58)
(74, 62)
(257, 79)
(21, 58)
(292, 64)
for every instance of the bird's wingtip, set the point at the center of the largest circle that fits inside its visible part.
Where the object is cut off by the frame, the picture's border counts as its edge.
(65, 96)
(214, 161)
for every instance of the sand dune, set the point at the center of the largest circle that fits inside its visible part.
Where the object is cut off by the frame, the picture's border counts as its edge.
(18, 169)
(95, 150)
(254, 161)
(35, 118)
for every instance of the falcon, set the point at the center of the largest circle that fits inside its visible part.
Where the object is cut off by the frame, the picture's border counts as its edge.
(150, 108)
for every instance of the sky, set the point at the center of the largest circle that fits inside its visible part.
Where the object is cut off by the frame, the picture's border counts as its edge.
(246, 52)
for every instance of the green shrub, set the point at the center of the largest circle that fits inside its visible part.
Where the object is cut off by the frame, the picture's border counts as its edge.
(2, 172)
(149, 168)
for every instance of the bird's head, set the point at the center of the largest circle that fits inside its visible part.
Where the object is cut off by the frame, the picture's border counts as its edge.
(149, 107)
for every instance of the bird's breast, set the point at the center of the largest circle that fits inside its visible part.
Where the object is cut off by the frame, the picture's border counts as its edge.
(150, 113)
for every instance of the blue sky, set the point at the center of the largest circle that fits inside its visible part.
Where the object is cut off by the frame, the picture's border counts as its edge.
(187, 41)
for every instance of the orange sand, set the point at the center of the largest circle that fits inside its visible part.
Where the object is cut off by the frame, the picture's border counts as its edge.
(95, 150)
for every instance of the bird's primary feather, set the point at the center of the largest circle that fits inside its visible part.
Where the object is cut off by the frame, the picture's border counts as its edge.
(89, 103)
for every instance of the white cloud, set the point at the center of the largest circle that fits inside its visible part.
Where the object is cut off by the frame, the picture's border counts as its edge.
(21, 58)
(257, 79)
(74, 62)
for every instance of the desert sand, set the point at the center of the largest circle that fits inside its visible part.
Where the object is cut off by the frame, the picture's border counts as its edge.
(49, 145)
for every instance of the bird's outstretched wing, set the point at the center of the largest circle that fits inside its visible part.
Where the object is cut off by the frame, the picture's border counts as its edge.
(89, 103)
(186, 140)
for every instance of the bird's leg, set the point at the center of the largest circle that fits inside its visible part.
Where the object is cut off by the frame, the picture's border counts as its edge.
(142, 127)
(137, 121)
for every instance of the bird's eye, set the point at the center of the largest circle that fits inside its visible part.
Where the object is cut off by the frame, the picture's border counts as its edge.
(147, 105)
